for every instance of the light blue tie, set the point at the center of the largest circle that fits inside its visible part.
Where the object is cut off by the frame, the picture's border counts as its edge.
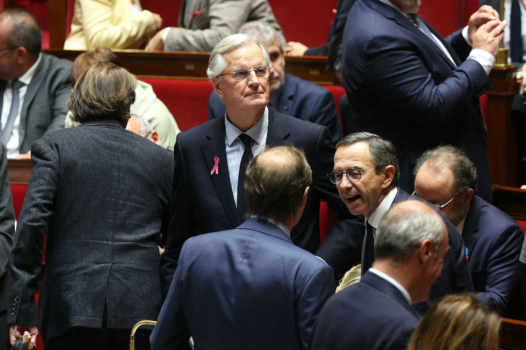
(13, 111)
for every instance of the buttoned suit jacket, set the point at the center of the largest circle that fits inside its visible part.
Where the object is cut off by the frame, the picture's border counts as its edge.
(101, 193)
(247, 288)
(403, 87)
(209, 21)
(7, 233)
(203, 202)
(300, 99)
(44, 107)
(493, 245)
(372, 314)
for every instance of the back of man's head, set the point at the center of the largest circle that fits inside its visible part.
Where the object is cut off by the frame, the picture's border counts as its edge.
(275, 182)
(403, 229)
(89, 58)
(264, 33)
(25, 30)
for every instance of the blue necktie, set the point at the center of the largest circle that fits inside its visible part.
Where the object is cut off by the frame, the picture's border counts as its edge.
(13, 111)
(242, 202)
(419, 23)
(368, 250)
(516, 53)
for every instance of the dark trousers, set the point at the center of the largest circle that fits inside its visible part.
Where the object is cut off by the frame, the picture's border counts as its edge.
(83, 338)
(4, 331)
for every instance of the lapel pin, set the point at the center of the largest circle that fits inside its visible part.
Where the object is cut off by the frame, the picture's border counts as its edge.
(215, 169)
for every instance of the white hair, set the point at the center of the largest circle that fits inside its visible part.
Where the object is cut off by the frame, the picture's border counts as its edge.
(146, 128)
(217, 64)
(401, 232)
(263, 32)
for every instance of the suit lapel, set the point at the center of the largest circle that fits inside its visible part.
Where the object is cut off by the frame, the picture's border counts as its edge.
(215, 147)
(286, 97)
(32, 88)
(471, 226)
(395, 15)
(2, 89)
(278, 132)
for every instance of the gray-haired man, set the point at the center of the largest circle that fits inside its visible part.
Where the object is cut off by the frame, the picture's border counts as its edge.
(210, 159)
(366, 173)
(289, 95)
(375, 314)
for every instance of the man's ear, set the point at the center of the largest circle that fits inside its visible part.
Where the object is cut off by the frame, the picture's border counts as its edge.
(216, 82)
(389, 172)
(468, 197)
(427, 251)
(155, 137)
(21, 55)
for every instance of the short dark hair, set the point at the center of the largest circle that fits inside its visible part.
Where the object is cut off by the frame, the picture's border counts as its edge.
(104, 91)
(25, 30)
(275, 185)
(463, 169)
(382, 152)
(334, 60)
(89, 58)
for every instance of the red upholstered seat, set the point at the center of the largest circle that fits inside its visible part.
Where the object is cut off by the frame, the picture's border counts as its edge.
(324, 220)
(186, 99)
(522, 224)
(337, 93)
(18, 192)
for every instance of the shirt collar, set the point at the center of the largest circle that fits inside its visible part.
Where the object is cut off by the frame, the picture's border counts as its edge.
(256, 132)
(383, 208)
(274, 222)
(387, 2)
(460, 227)
(393, 282)
(27, 76)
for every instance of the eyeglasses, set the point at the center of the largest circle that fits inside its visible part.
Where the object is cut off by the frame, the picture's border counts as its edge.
(443, 205)
(242, 74)
(8, 48)
(353, 175)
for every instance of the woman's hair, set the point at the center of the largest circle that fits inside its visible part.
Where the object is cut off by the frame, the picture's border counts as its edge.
(457, 322)
(89, 58)
(351, 277)
(104, 91)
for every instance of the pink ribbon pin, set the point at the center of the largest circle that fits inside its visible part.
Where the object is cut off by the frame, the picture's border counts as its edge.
(216, 166)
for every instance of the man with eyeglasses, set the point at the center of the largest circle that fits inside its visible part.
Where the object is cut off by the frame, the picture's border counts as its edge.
(34, 86)
(366, 173)
(446, 177)
(210, 159)
(288, 94)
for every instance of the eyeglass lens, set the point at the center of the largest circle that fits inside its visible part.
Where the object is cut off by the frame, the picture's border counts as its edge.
(242, 74)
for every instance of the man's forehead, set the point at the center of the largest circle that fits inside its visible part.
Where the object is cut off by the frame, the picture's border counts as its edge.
(356, 152)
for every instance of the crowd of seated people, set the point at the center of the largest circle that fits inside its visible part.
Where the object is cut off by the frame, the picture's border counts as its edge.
(214, 232)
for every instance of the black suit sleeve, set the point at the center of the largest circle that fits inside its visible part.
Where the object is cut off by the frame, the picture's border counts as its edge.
(26, 258)
(346, 237)
(7, 214)
(182, 214)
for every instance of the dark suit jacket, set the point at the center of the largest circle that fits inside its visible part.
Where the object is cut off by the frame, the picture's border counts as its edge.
(340, 18)
(455, 274)
(298, 98)
(7, 228)
(100, 193)
(372, 314)
(247, 288)
(493, 245)
(402, 87)
(204, 203)
(46, 110)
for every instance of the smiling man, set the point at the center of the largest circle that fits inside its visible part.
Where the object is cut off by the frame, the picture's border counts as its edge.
(288, 94)
(366, 173)
(210, 159)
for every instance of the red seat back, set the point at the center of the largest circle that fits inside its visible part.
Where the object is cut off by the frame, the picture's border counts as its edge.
(18, 192)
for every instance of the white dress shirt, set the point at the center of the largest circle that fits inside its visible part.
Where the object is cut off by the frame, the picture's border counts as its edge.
(235, 148)
(393, 282)
(13, 145)
(275, 223)
(507, 13)
(382, 209)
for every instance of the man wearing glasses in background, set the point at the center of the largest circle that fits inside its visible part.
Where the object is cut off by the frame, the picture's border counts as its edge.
(211, 159)
(447, 178)
(366, 173)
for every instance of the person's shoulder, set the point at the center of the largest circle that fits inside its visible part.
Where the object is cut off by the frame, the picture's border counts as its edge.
(494, 218)
(57, 63)
(305, 85)
(200, 133)
(302, 127)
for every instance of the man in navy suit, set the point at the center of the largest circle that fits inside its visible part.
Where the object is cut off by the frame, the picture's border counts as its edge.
(250, 287)
(289, 95)
(375, 314)
(366, 174)
(448, 179)
(210, 160)
(410, 86)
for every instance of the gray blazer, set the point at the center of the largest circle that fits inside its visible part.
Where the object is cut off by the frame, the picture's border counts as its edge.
(207, 22)
(44, 107)
(101, 193)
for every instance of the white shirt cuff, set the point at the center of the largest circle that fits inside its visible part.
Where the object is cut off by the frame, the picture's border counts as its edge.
(465, 35)
(165, 34)
(484, 58)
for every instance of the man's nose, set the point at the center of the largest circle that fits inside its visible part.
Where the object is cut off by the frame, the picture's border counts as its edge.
(252, 79)
(346, 183)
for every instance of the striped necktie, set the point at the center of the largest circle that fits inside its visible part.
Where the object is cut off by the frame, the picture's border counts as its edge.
(5, 135)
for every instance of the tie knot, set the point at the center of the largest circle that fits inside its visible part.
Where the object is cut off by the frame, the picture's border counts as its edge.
(16, 84)
(246, 140)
